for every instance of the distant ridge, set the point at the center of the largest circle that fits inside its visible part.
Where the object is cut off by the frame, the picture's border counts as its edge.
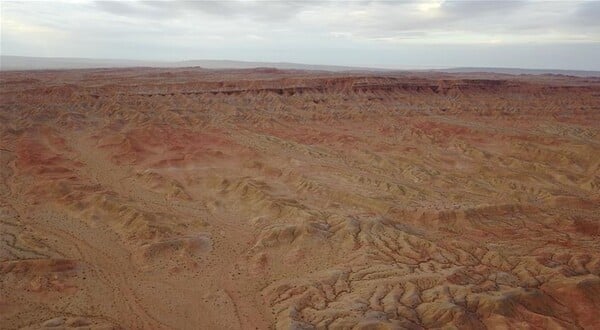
(518, 71)
(18, 63)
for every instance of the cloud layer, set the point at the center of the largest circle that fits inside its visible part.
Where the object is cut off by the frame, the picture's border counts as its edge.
(556, 34)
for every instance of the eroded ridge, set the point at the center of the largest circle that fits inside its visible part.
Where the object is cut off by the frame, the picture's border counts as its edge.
(191, 198)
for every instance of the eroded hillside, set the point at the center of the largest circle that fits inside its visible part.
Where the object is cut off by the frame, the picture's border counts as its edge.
(189, 198)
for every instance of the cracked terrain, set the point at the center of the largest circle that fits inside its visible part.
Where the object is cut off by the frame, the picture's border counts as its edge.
(245, 199)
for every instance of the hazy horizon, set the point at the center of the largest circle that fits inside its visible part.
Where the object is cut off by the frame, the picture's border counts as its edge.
(380, 34)
(20, 63)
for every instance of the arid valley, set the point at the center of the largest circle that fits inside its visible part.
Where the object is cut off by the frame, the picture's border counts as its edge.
(189, 198)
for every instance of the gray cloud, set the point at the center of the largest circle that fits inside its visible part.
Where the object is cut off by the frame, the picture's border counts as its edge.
(257, 10)
(588, 14)
(466, 8)
(384, 18)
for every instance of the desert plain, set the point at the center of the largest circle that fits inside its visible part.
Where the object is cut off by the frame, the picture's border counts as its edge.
(269, 199)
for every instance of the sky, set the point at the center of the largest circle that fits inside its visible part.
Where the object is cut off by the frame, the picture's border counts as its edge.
(382, 34)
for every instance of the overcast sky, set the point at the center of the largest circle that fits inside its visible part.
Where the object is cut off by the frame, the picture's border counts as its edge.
(387, 34)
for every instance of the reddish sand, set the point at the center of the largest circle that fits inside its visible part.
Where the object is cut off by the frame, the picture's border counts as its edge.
(224, 199)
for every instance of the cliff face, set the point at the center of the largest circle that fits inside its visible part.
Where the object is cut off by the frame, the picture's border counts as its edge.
(188, 198)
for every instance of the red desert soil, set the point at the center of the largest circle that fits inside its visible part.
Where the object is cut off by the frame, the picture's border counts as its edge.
(245, 199)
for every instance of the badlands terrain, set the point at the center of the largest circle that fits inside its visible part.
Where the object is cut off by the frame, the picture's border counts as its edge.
(260, 198)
